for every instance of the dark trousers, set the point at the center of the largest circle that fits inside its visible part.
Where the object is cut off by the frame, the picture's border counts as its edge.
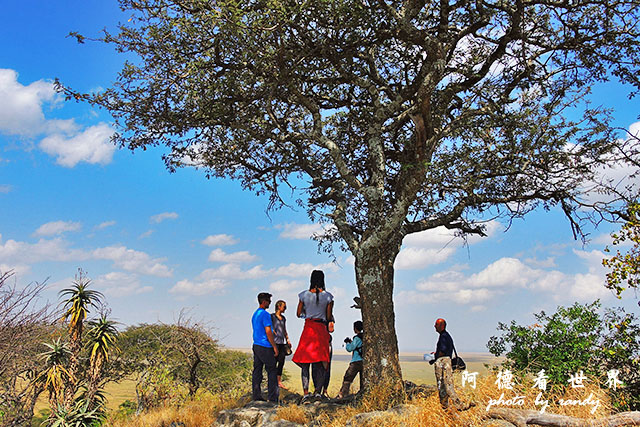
(327, 374)
(264, 356)
(280, 358)
(318, 372)
(354, 369)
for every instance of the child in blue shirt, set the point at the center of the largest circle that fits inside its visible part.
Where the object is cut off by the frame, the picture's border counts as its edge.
(355, 367)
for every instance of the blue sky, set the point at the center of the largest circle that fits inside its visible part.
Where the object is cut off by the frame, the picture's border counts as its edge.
(155, 242)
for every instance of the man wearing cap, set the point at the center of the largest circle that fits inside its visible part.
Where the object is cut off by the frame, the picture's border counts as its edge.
(265, 350)
(444, 372)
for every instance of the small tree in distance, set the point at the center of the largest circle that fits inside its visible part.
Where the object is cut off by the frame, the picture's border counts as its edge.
(386, 118)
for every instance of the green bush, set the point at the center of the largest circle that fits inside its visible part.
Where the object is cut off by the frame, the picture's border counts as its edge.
(573, 339)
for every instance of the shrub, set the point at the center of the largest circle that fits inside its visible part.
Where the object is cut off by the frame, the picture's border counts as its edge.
(573, 339)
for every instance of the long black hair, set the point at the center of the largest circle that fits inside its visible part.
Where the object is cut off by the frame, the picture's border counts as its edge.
(317, 282)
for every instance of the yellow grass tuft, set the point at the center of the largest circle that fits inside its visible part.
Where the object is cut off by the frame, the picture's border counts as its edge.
(201, 411)
(293, 413)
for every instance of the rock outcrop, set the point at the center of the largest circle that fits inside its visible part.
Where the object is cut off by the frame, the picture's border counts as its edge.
(264, 414)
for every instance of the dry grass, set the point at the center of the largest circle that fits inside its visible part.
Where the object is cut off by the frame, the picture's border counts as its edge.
(199, 412)
(429, 412)
(293, 413)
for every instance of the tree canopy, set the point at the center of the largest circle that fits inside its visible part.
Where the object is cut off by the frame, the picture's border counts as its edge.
(384, 117)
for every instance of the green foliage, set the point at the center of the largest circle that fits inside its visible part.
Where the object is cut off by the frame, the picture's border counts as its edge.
(620, 349)
(77, 364)
(576, 338)
(77, 300)
(101, 339)
(172, 362)
(79, 415)
(625, 267)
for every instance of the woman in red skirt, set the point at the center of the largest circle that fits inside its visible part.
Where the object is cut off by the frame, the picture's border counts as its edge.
(316, 307)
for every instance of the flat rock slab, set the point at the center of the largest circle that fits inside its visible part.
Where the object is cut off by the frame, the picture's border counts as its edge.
(251, 415)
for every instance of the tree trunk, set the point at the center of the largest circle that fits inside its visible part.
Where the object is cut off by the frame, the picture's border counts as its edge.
(194, 383)
(374, 276)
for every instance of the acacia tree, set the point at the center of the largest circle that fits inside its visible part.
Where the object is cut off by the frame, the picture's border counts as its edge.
(385, 117)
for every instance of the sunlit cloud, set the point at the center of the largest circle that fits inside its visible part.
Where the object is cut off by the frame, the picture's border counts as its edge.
(93, 145)
(105, 224)
(188, 287)
(299, 231)
(219, 240)
(218, 255)
(157, 219)
(133, 261)
(119, 284)
(21, 114)
(56, 228)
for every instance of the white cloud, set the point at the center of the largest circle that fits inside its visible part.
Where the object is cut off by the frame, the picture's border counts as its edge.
(588, 287)
(302, 270)
(19, 270)
(593, 259)
(93, 145)
(440, 237)
(133, 261)
(18, 253)
(21, 114)
(105, 224)
(204, 287)
(23, 253)
(338, 293)
(460, 296)
(219, 240)
(300, 231)
(21, 108)
(286, 285)
(435, 246)
(415, 258)
(508, 274)
(504, 272)
(218, 255)
(119, 284)
(57, 227)
(157, 219)
(233, 272)
(5, 188)
(146, 234)
(549, 262)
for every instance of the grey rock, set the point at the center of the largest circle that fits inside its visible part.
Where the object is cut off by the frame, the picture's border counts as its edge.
(252, 415)
(418, 390)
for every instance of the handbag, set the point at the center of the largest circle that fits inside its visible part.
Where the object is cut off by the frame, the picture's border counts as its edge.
(457, 364)
(287, 350)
